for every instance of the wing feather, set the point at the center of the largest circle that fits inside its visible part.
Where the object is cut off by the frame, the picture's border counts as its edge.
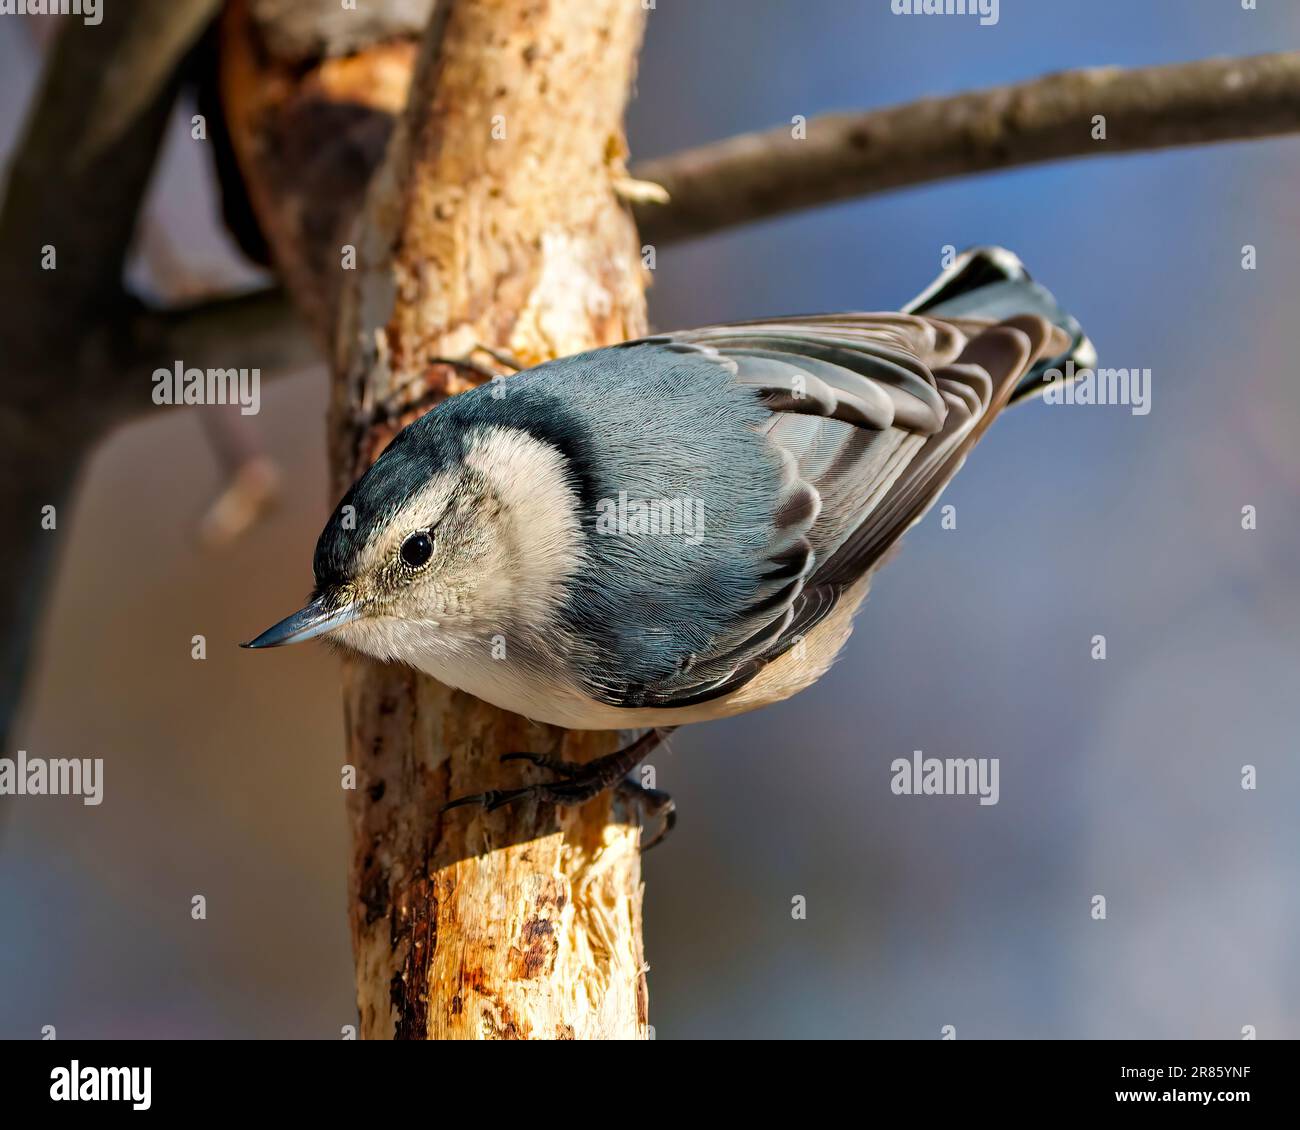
(873, 415)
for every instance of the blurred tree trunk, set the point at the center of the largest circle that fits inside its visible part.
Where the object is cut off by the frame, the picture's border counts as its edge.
(71, 191)
(492, 221)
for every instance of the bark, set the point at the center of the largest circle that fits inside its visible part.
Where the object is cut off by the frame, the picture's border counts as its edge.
(525, 923)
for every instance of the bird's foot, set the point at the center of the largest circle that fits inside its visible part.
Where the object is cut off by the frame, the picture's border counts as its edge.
(576, 783)
(653, 803)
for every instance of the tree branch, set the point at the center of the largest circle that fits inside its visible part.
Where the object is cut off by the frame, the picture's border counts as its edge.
(760, 175)
(259, 329)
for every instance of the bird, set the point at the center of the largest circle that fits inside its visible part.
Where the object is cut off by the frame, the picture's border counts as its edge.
(679, 528)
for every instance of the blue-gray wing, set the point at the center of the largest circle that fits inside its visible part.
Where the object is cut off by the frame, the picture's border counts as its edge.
(870, 416)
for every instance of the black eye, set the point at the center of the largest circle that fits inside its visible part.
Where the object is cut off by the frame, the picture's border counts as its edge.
(417, 549)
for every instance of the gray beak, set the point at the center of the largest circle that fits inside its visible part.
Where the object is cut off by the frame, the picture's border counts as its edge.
(306, 624)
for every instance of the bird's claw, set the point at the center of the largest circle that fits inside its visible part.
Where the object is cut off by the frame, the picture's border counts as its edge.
(490, 800)
(568, 769)
(575, 783)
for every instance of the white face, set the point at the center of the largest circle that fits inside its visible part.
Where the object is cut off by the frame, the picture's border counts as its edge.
(484, 550)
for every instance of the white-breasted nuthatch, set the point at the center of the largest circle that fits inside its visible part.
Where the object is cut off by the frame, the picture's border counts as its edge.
(678, 528)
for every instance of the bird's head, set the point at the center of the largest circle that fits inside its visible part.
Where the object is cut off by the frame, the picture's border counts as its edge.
(453, 536)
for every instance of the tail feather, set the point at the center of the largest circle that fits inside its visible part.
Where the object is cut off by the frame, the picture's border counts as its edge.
(992, 283)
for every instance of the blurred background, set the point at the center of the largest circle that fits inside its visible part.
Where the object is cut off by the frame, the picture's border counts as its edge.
(1119, 777)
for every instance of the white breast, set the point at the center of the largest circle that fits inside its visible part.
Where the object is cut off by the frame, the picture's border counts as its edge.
(550, 695)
